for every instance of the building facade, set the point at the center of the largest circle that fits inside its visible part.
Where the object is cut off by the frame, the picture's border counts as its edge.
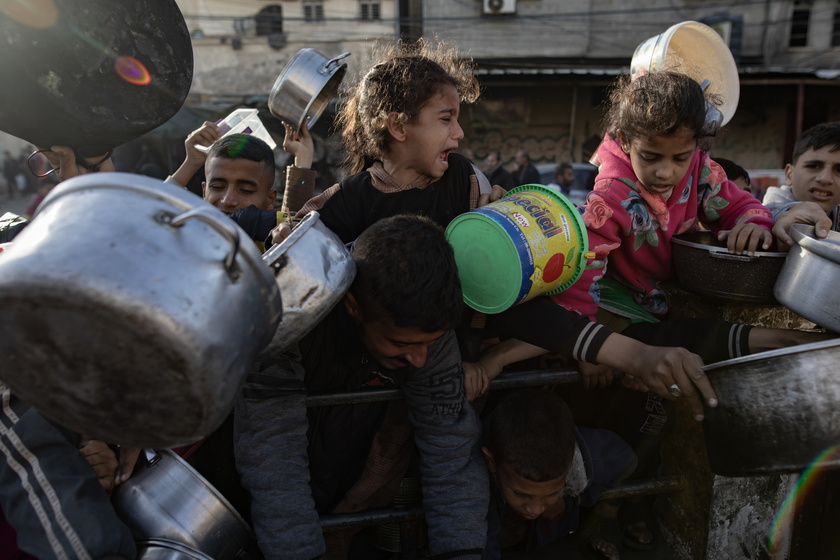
(545, 66)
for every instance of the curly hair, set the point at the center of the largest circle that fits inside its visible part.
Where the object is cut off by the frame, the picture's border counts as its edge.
(405, 78)
(658, 104)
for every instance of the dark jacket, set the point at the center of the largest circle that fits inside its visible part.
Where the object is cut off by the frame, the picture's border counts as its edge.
(526, 176)
(271, 442)
(49, 493)
(502, 177)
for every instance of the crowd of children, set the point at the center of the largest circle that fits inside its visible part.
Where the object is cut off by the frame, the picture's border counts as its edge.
(543, 471)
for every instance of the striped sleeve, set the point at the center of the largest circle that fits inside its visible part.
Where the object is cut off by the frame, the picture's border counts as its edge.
(543, 323)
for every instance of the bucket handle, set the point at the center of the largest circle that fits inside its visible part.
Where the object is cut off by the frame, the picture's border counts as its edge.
(326, 70)
(207, 215)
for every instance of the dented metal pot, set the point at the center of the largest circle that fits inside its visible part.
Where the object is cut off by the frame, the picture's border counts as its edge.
(313, 270)
(130, 310)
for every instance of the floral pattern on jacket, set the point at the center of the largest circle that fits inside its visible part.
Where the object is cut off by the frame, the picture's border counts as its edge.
(631, 228)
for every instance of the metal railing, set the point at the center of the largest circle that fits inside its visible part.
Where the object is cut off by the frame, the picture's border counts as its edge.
(415, 515)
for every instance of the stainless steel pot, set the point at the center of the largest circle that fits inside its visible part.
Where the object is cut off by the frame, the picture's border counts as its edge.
(130, 311)
(703, 265)
(167, 501)
(778, 410)
(305, 87)
(806, 283)
(313, 270)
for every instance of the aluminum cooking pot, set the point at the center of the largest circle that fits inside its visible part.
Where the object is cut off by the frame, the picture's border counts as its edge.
(91, 74)
(778, 410)
(305, 87)
(704, 266)
(168, 505)
(313, 269)
(807, 283)
(130, 311)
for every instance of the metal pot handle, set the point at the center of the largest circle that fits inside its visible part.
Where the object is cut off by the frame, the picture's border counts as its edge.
(804, 236)
(275, 257)
(207, 215)
(326, 70)
(732, 257)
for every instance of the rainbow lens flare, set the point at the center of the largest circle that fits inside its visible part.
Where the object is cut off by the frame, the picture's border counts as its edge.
(132, 71)
(806, 482)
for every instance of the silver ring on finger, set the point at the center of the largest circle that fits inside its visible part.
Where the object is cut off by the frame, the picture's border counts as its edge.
(675, 390)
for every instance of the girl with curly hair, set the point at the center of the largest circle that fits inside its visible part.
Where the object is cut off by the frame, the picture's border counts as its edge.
(400, 130)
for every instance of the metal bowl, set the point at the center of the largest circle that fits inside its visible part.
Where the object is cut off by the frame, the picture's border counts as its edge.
(806, 281)
(777, 412)
(305, 87)
(704, 266)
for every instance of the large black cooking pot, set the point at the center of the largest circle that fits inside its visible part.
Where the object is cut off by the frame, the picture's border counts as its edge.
(91, 74)
(778, 411)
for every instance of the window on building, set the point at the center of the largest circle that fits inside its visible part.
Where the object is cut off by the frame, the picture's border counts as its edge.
(835, 30)
(270, 20)
(799, 23)
(313, 10)
(370, 9)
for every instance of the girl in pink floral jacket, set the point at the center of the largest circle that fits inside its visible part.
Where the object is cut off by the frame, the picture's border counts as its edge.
(656, 181)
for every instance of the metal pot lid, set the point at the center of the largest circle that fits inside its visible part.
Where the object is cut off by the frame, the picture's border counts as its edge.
(828, 248)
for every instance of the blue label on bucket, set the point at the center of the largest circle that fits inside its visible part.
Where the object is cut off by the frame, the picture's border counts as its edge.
(520, 242)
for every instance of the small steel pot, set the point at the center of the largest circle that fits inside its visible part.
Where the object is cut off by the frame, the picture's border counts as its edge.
(778, 410)
(130, 311)
(167, 501)
(704, 266)
(313, 270)
(305, 87)
(807, 281)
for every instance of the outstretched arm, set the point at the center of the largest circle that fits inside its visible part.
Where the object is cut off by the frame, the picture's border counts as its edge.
(194, 160)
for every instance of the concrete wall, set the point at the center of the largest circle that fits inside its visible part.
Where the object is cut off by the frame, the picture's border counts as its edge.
(608, 29)
(219, 69)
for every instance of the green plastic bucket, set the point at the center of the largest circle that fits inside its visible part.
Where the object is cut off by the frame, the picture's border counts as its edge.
(530, 242)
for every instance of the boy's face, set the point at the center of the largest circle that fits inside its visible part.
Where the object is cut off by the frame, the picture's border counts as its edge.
(392, 347)
(660, 162)
(815, 177)
(233, 184)
(433, 134)
(527, 498)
